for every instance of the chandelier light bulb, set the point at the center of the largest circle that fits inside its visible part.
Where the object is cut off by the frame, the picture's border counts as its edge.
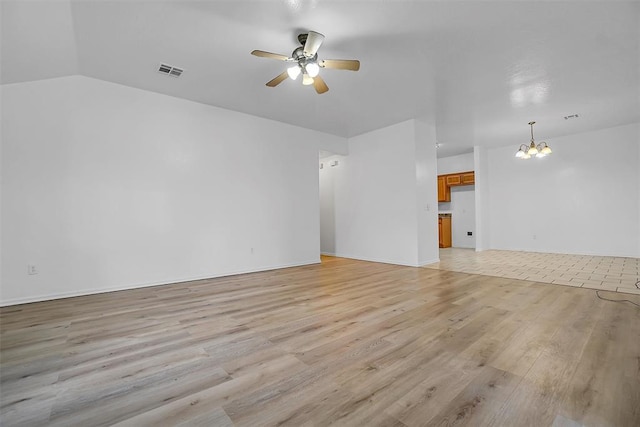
(522, 151)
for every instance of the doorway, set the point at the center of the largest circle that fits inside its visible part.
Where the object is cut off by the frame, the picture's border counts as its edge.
(327, 163)
(462, 212)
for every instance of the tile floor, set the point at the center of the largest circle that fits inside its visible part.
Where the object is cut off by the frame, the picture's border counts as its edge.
(594, 272)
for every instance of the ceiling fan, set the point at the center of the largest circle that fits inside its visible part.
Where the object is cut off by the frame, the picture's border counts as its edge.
(305, 61)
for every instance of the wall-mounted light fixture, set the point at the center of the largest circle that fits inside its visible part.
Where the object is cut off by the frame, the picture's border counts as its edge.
(532, 150)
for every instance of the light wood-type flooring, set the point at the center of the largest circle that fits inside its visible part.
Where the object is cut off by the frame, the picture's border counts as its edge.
(344, 342)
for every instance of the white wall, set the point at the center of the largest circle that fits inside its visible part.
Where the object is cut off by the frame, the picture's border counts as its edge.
(583, 199)
(1, 183)
(385, 196)
(463, 216)
(107, 187)
(375, 197)
(327, 205)
(427, 192)
(453, 164)
(482, 197)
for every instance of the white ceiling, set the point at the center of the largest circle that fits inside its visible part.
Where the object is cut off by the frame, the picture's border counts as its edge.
(478, 70)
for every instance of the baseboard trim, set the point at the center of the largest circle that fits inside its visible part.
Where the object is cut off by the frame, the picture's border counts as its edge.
(433, 261)
(85, 292)
(380, 260)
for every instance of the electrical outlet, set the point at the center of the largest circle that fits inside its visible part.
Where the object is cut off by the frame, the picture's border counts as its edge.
(32, 269)
(469, 233)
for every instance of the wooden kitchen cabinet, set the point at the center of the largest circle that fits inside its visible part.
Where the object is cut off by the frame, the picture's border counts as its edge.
(462, 178)
(444, 192)
(468, 178)
(445, 182)
(453, 179)
(444, 231)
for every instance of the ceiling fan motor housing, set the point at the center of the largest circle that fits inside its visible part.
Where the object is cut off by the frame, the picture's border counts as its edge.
(302, 60)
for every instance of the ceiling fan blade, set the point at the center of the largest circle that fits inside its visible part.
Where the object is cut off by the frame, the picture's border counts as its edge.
(320, 85)
(277, 80)
(340, 64)
(263, 54)
(311, 46)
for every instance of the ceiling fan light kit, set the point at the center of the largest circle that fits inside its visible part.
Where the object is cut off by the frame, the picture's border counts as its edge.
(294, 72)
(305, 59)
(312, 69)
(307, 79)
(532, 150)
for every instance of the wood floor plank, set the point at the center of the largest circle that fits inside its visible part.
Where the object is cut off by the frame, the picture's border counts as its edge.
(344, 342)
(447, 377)
(476, 403)
(210, 400)
(605, 383)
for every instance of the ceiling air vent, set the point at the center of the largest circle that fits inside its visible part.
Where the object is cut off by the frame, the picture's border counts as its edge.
(170, 70)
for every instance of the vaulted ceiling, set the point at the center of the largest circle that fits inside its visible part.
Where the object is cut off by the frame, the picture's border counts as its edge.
(478, 70)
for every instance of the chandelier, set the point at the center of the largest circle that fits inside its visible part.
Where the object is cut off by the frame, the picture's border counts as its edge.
(532, 150)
